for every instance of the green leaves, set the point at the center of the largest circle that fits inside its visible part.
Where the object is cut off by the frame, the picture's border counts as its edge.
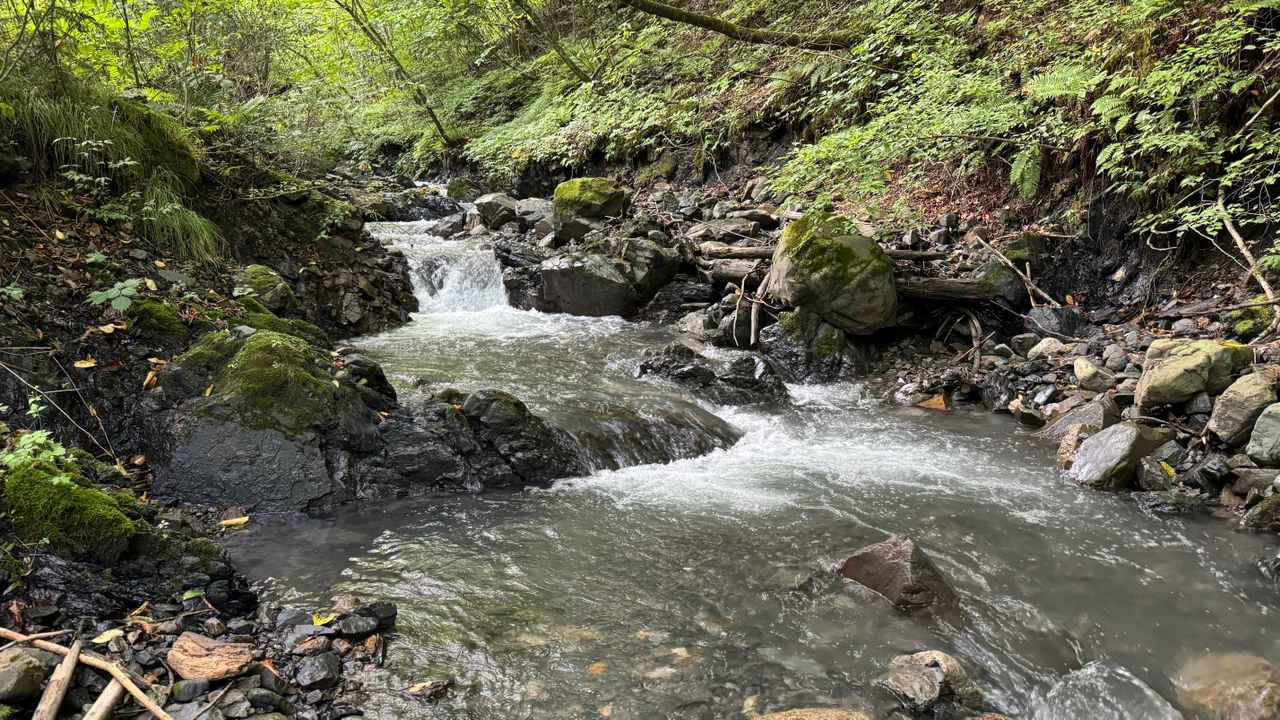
(120, 295)
(1025, 173)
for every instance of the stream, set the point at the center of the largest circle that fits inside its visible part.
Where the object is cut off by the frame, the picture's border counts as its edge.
(703, 587)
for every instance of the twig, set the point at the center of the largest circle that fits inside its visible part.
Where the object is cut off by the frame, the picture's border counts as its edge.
(1253, 264)
(1258, 114)
(212, 702)
(45, 395)
(106, 703)
(1026, 278)
(37, 636)
(56, 689)
(26, 217)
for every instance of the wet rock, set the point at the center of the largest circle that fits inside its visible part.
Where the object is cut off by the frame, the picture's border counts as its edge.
(746, 380)
(1026, 415)
(1170, 502)
(1006, 284)
(1170, 453)
(1072, 436)
(915, 686)
(581, 283)
(21, 675)
(384, 612)
(535, 214)
(648, 265)
(1102, 413)
(807, 348)
(292, 617)
(845, 279)
(1209, 475)
(307, 646)
(196, 656)
(184, 691)
(1176, 370)
(900, 571)
(1069, 321)
(1251, 478)
(1109, 459)
(1023, 343)
(1264, 443)
(1103, 690)
(1152, 474)
(817, 714)
(320, 672)
(497, 209)
(1263, 516)
(355, 627)
(1091, 377)
(267, 287)
(1047, 348)
(1229, 685)
(926, 678)
(1240, 405)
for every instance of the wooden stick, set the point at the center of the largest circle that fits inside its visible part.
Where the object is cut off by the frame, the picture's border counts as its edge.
(106, 703)
(56, 689)
(37, 636)
(1026, 278)
(213, 702)
(95, 660)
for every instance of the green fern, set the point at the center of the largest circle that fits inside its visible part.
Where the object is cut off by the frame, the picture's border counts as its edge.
(1025, 174)
(1064, 81)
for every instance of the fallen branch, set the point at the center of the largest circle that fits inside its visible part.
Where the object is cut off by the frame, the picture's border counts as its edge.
(1248, 256)
(1043, 329)
(56, 689)
(104, 707)
(737, 32)
(213, 702)
(1026, 278)
(37, 636)
(95, 660)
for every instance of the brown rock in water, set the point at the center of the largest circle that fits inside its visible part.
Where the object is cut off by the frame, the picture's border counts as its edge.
(817, 714)
(899, 570)
(1235, 686)
(196, 656)
(1071, 439)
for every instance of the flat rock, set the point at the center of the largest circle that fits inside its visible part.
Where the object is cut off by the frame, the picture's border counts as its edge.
(1109, 459)
(21, 674)
(320, 672)
(1237, 686)
(1264, 443)
(1102, 412)
(1240, 405)
(196, 656)
(1176, 370)
(900, 571)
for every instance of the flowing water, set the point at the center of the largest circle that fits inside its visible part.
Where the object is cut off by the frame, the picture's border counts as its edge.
(702, 587)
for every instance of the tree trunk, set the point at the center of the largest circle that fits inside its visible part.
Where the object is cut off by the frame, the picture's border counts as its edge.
(737, 32)
(922, 288)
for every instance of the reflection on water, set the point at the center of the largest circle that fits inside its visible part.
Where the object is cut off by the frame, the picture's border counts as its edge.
(684, 589)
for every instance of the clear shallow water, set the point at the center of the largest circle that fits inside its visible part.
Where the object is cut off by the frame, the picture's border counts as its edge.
(692, 588)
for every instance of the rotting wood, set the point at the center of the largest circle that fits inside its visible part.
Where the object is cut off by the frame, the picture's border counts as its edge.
(763, 252)
(924, 288)
(129, 680)
(749, 273)
(56, 688)
(104, 707)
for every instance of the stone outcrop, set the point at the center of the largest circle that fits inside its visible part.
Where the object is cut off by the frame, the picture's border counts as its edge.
(1176, 370)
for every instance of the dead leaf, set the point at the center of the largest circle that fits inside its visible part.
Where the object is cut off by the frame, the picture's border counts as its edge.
(323, 619)
(58, 234)
(270, 666)
(107, 329)
(159, 263)
(150, 382)
(597, 668)
(157, 361)
(110, 366)
(208, 392)
(151, 284)
(108, 636)
(335, 383)
(138, 458)
(234, 522)
(86, 363)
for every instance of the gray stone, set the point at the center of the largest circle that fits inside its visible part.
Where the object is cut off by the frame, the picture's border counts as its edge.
(1109, 459)
(1199, 404)
(1092, 377)
(1004, 282)
(1264, 443)
(185, 691)
(21, 674)
(1170, 453)
(1023, 343)
(917, 687)
(1170, 502)
(1258, 479)
(1100, 413)
(900, 571)
(1115, 358)
(291, 617)
(243, 332)
(497, 209)
(1240, 405)
(320, 672)
(1152, 475)
(192, 711)
(586, 284)
(533, 211)
(846, 279)
(1047, 348)
(953, 685)
(355, 627)
(1176, 370)
(264, 699)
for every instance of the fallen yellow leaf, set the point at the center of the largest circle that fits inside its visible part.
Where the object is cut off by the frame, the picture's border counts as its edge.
(150, 382)
(208, 392)
(159, 263)
(335, 383)
(108, 636)
(107, 329)
(234, 522)
(86, 363)
(157, 361)
(323, 619)
(151, 284)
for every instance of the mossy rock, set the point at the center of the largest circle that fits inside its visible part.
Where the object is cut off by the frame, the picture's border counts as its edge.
(157, 321)
(590, 197)
(458, 189)
(193, 371)
(265, 284)
(277, 381)
(58, 505)
(1248, 323)
(297, 328)
(664, 168)
(846, 279)
(310, 333)
(252, 305)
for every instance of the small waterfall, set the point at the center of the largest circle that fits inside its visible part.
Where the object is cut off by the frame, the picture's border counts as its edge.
(448, 275)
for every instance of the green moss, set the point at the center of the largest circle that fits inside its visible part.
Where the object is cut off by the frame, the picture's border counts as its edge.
(1248, 323)
(824, 246)
(269, 322)
(458, 189)
(664, 168)
(829, 344)
(252, 305)
(589, 196)
(310, 333)
(277, 381)
(211, 351)
(158, 321)
(46, 503)
(129, 503)
(209, 552)
(1021, 249)
(792, 326)
(267, 285)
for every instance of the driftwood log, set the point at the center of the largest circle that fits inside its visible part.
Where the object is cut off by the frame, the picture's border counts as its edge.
(943, 289)
(56, 688)
(763, 252)
(739, 272)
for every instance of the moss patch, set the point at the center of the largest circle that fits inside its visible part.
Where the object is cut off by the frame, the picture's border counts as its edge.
(60, 506)
(310, 333)
(277, 381)
(252, 305)
(664, 168)
(1248, 323)
(592, 197)
(158, 321)
(458, 189)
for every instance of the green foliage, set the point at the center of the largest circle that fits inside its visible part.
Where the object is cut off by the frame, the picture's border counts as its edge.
(12, 291)
(119, 295)
(159, 321)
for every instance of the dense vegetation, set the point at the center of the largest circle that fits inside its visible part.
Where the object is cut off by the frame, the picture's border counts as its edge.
(1046, 103)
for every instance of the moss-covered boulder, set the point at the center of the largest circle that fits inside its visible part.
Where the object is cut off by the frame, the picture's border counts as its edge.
(52, 502)
(590, 197)
(266, 285)
(808, 349)
(846, 279)
(158, 322)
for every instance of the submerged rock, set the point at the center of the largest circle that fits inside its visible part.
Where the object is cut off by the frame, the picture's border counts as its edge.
(1103, 690)
(1229, 685)
(900, 571)
(847, 280)
(927, 678)
(747, 379)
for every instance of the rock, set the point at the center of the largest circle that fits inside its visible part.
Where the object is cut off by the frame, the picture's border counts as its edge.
(1170, 453)
(21, 675)
(1047, 348)
(570, 228)
(746, 380)
(196, 656)
(1263, 516)
(900, 571)
(320, 672)
(1026, 415)
(1103, 690)
(1152, 474)
(194, 711)
(817, 714)
(648, 265)
(1023, 343)
(384, 612)
(1090, 376)
(590, 198)
(292, 617)
(1005, 283)
(355, 627)
(1170, 502)
(1264, 442)
(931, 677)
(267, 287)
(847, 280)
(1199, 404)
(1069, 321)
(917, 687)
(308, 646)
(264, 699)
(1109, 459)
(1101, 413)
(582, 283)
(1250, 478)
(1229, 685)
(497, 209)
(534, 212)
(1115, 358)
(1240, 405)
(1072, 436)
(185, 691)
(1209, 475)
(807, 348)
(1176, 370)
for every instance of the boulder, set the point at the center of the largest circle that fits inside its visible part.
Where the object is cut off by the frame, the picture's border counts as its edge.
(1176, 370)
(581, 283)
(1103, 690)
(926, 678)
(1153, 474)
(497, 209)
(590, 198)
(900, 571)
(1004, 282)
(1069, 321)
(319, 672)
(1264, 442)
(1108, 460)
(21, 675)
(1047, 348)
(747, 379)
(196, 656)
(847, 280)
(1240, 405)
(535, 213)
(649, 266)
(1022, 343)
(1115, 358)
(807, 348)
(1090, 376)
(1229, 685)
(1263, 516)
(267, 287)
(1101, 413)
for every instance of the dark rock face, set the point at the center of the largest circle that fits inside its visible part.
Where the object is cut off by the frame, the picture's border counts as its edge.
(808, 349)
(1068, 321)
(900, 571)
(747, 379)
(586, 284)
